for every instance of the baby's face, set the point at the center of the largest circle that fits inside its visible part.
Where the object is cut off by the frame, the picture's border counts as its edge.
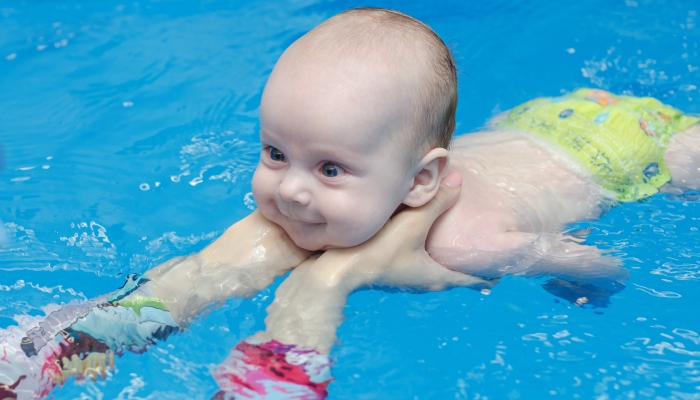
(331, 172)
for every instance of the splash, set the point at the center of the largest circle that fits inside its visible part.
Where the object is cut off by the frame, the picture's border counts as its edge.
(210, 156)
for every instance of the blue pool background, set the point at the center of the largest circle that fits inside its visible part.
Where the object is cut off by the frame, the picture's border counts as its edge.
(130, 136)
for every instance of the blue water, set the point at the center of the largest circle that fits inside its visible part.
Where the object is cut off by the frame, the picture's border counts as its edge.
(129, 132)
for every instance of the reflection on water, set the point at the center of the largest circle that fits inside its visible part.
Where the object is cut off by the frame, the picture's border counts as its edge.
(132, 137)
(205, 159)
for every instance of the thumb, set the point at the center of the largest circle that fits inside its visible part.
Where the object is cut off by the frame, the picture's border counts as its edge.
(446, 197)
(423, 217)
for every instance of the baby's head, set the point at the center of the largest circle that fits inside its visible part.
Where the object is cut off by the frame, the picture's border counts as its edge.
(356, 119)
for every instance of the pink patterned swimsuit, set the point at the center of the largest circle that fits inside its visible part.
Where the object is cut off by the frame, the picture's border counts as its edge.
(273, 370)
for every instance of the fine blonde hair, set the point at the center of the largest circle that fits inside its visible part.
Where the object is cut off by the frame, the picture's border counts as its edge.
(434, 107)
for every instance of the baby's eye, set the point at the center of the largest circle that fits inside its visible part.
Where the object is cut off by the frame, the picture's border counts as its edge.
(331, 170)
(275, 154)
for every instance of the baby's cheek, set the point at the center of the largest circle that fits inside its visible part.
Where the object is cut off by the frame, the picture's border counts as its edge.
(364, 222)
(264, 197)
(256, 181)
(263, 185)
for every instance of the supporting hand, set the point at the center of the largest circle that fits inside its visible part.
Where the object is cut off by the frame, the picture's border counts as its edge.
(396, 255)
(308, 306)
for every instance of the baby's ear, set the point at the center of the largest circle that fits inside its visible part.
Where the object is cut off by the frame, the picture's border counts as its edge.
(426, 178)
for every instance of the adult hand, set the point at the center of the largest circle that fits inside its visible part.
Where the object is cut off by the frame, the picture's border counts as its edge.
(396, 256)
(308, 305)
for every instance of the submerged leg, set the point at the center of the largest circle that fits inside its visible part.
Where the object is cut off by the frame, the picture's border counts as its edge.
(583, 294)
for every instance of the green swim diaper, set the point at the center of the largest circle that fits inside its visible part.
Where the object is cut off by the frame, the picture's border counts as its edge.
(620, 139)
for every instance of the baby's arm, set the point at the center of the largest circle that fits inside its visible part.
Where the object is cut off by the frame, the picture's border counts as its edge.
(535, 254)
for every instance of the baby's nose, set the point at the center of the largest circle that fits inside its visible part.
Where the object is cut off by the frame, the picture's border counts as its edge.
(293, 190)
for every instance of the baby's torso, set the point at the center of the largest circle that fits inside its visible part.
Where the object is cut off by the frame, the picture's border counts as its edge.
(551, 162)
(512, 183)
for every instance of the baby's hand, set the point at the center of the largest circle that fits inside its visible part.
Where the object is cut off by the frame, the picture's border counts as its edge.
(396, 255)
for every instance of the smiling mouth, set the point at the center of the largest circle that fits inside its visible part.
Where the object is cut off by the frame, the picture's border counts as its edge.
(291, 217)
(304, 222)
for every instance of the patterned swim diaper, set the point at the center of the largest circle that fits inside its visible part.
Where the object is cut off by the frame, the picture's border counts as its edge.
(620, 139)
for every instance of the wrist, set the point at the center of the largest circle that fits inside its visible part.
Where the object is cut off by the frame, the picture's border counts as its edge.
(340, 269)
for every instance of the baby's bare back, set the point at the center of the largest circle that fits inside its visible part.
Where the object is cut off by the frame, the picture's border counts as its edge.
(519, 195)
(512, 184)
(516, 197)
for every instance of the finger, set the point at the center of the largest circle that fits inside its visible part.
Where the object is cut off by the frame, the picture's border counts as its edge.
(446, 196)
(426, 275)
(442, 278)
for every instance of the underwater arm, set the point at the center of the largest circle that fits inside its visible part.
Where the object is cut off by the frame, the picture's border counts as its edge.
(567, 257)
(535, 254)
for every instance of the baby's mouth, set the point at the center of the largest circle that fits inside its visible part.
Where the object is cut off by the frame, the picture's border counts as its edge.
(299, 217)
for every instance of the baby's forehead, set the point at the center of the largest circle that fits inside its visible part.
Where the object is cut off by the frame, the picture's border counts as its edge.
(367, 64)
(361, 39)
(371, 52)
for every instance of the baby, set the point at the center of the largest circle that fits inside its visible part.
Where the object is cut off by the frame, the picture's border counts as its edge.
(356, 122)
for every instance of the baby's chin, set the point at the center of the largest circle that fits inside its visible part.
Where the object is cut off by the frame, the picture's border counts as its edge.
(323, 242)
(309, 243)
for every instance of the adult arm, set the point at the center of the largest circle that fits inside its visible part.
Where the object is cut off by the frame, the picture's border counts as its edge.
(308, 306)
(291, 355)
(245, 259)
(82, 338)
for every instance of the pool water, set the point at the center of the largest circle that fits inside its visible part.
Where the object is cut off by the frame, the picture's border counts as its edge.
(129, 132)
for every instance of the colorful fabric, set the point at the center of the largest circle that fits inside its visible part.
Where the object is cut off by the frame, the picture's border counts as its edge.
(79, 339)
(620, 139)
(273, 370)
